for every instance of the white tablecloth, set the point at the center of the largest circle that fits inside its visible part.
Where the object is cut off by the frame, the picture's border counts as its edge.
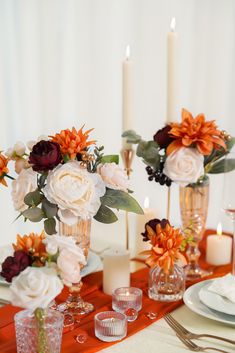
(160, 338)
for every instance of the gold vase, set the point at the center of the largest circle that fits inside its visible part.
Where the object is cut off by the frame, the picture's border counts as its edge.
(81, 233)
(194, 200)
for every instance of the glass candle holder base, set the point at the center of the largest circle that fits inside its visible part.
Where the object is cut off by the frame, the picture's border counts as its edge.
(194, 273)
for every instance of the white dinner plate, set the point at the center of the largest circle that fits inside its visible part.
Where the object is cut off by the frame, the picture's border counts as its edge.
(216, 301)
(192, 301)
(94, 264)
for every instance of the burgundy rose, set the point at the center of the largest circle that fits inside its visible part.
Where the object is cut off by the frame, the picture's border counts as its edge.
(162, 137)
(45, 156)
(15, 264)
(152, 224)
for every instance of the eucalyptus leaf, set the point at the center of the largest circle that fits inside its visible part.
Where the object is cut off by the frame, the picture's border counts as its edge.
(34, 214)
(149, 151)
(121, 201)
(131, 136)
(223, 166)
(49, 226)
(112, 158)
(105, 215)
(33, 198)
(49, 208)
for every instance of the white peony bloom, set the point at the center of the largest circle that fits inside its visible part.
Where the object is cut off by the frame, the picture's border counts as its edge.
(184, 166)
(75, 191)
(35, 287)
(114, 176)
(69, 267)
(25, 183)
(57, 243)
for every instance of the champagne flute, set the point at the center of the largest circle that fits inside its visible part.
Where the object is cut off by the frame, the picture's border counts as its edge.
(229, 196)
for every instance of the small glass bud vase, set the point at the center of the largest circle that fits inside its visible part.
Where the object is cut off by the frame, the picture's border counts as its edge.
(166, 287)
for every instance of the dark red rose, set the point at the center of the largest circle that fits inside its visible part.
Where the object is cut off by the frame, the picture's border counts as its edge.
(45, 156)
(15, 264)
(152, 224)
(162, 137)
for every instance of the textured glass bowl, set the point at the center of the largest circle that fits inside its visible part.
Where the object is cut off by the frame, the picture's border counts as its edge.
(110, 326)
(27, 337)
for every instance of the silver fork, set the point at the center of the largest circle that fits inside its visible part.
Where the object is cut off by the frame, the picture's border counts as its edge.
(187, 334)
(194, 347)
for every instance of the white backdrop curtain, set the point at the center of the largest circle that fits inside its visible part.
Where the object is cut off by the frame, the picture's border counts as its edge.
(60, 66)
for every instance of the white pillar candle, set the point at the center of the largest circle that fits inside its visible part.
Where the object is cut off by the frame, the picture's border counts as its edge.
(219, 248)
(149, 213)
(116, 270)
(127, 96)
(172, 71)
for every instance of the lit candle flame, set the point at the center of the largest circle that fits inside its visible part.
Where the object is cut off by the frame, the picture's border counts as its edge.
(146, 202)
(128, 52)
(173, 22)
(219, 228)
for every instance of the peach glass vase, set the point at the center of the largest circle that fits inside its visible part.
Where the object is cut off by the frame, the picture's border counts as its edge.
(81, 233)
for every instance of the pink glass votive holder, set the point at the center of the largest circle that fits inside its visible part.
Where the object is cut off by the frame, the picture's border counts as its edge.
(110, 326)
(128, 301)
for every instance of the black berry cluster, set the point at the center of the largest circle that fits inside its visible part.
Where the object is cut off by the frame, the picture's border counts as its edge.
(158, 175)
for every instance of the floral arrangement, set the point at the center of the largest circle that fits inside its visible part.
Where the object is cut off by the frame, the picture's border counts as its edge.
(167, 244)
(38, 269)
(40, 266)
(184, 152)
(66, 177)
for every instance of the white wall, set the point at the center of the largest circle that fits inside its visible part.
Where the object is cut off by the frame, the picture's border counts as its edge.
(60, 65)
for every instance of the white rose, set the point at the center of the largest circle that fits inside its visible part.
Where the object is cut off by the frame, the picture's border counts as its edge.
(114, 176)
(35, 287)
(184, 166)
(31, 143)
(25, 183)
(75, 191)
(69, 267)
(18, 150)
(57, 243)
(21, 164)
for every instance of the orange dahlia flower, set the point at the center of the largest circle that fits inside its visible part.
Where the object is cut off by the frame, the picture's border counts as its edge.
(195, 132)
(166, 243)
(3, 169)
(72, 142)
(32, 245)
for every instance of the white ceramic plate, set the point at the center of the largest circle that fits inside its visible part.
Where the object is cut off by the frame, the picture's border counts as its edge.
(216, 301)
(192, 301)
(94, 264)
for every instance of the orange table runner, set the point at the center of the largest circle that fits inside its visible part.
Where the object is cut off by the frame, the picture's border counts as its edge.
(92, 292)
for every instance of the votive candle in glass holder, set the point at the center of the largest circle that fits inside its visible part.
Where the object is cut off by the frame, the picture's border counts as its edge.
(110, 326)
(128, 301)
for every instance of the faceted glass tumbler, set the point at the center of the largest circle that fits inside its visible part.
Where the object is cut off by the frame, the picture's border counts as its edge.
(110, 326)
(28, 338)
(166, 287)
(126, 298)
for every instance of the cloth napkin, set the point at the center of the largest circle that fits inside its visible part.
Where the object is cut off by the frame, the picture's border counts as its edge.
(224, 286)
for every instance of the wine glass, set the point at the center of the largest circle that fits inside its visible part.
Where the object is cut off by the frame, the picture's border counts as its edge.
(229, 196)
